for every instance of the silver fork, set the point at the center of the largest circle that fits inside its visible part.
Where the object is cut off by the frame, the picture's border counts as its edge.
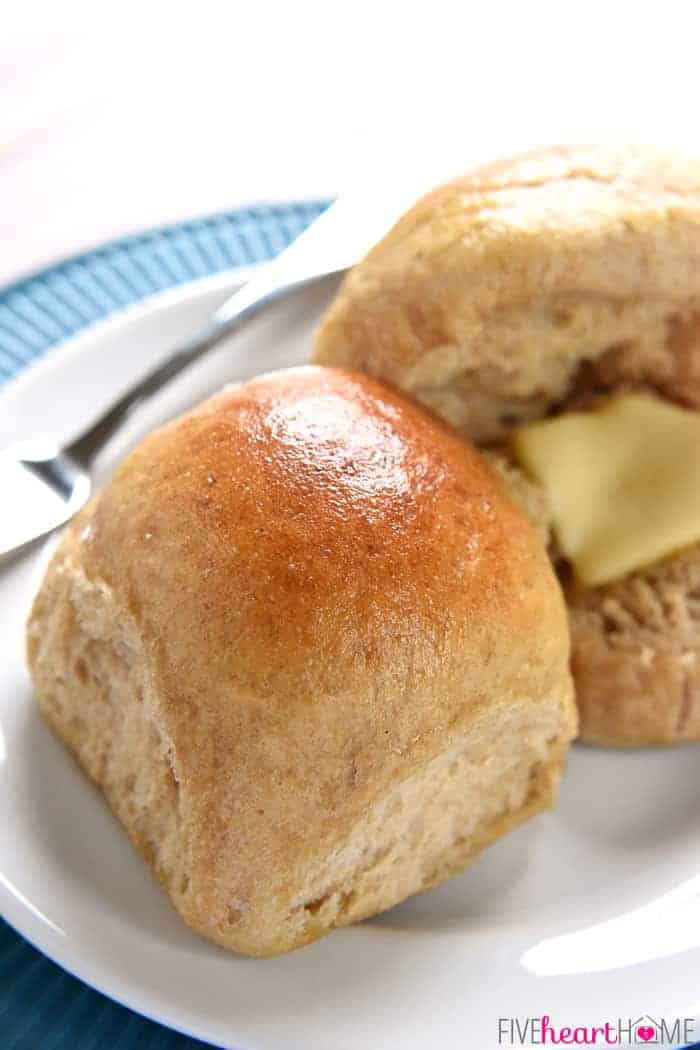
(330, 245)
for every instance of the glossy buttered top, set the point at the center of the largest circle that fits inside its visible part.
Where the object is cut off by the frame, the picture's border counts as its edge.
(311, 524)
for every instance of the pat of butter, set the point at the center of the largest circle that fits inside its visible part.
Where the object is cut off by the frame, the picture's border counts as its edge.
(623, 482)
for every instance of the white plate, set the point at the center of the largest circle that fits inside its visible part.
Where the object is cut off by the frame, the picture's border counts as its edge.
(588, 914)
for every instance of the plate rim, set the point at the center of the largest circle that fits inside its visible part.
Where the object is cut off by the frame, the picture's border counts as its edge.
(229, 280)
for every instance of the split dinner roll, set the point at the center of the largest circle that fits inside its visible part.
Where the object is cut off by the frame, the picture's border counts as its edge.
(311, 653)
(535, 287)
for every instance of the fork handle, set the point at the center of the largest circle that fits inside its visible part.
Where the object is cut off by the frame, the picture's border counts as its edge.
(253, 297)
(330, 245)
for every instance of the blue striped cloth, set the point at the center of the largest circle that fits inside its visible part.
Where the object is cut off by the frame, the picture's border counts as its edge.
(41, 1006)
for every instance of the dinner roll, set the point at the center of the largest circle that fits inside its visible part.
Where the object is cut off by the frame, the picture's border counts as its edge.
(311, 653)
(529, 287)
(499, 295)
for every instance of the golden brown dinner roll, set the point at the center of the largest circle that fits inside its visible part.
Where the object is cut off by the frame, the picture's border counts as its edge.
(498, 295)
(529, 287)
(311, 653)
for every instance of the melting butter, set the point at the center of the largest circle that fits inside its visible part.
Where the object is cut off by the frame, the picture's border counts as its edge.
(623, 482)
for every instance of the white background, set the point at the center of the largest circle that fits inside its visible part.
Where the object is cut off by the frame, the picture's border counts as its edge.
(114, 116)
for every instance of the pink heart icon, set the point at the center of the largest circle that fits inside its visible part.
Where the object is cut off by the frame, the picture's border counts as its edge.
(646, 1032)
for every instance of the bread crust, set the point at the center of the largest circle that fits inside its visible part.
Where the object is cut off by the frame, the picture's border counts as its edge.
(531, 285)
(305, 594)
(499, 293)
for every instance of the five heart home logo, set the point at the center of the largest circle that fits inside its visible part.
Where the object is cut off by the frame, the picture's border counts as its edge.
(542, 1030)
